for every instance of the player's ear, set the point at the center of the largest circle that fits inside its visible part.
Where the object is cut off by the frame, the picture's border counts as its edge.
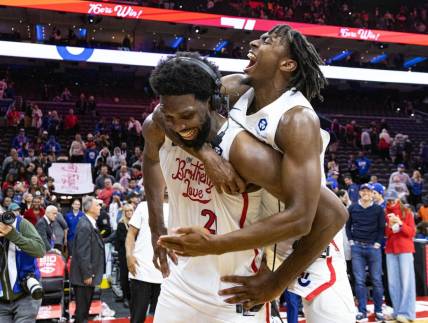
(288, 65)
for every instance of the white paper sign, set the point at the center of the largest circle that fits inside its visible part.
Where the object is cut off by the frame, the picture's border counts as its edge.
(72, 178)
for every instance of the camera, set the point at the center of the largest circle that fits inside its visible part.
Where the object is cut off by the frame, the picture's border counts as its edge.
(7, 217)
(32, 286)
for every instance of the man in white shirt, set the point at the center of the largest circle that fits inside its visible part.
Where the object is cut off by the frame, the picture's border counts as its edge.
(145, 278)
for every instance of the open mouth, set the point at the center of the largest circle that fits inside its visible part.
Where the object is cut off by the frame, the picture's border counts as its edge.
(189, 134)
(252, 62)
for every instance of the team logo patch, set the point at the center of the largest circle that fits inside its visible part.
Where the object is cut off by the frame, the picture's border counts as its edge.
(262, 124)
(304, 280)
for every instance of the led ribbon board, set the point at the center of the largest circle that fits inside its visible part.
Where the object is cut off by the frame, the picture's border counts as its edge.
(214, 20)
(91, 55)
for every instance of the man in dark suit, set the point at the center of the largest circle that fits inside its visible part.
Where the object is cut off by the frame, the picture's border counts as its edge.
(88, 261)
(44, 227)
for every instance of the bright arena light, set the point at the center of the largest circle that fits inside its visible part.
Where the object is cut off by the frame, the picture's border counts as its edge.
(29, 50)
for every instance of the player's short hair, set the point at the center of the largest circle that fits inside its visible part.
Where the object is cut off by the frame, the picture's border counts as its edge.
(178, 77)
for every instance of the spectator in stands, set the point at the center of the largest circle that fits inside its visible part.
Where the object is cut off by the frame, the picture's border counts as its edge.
(54, 123)
(134, 132)
(71, 123)
(332, 181)
(20, 139)
(366, 141)
(350, 133)
(400, 175)
(52, 146)
(27, 200)
(133, 187)
(104, 156)
(136, 156)
(104, 174)
(13, 116)
(72, 218)
(36, 115)
(77, 150)
(365, 230)
(66, 95)
(116, 131)
(114, 209)
(123, 176)
(416, 188)
(9, 182)
(90, 143)
(378, 191)
(122, 231)
(101, 126)
(116, 159)
(400, 188)
(399, 249)
(106, 193)
(352, 167)
(81, 104)
(23, 151)
(363, 167)
(36, 212)
(31, 157)
(91, 155)
(423, 210)
(11, 164)
(384, 144)
(45, 230)
(92, 105)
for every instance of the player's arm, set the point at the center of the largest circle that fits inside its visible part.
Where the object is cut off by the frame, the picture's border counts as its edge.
(131, 261)
(154, 187)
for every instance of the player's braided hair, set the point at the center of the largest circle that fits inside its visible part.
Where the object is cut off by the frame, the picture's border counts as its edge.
(308, 77)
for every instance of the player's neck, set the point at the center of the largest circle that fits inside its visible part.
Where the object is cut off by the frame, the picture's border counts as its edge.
(267, 92)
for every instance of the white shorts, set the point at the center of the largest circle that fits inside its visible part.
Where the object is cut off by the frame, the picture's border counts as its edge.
(333, 305)
(169, 309)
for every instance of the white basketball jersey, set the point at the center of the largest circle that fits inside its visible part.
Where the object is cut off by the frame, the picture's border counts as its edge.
(194, 201)
(263, 125)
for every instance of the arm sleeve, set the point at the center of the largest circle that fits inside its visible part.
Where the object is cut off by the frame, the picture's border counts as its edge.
(28, 239)
(408, 228)
(62, 222)
(82, 251)
(41, 229)
(381, 226)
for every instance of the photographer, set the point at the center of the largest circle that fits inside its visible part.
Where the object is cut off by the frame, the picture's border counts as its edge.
(20, 245)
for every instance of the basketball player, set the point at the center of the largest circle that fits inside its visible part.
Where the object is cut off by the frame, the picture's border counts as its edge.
(251, 159)
(282, 66)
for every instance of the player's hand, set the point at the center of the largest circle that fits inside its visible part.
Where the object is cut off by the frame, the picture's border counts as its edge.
(190, 242)
(222, 173)
(160, 257)
(252, 290)
(5, 229)
(132, 263)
